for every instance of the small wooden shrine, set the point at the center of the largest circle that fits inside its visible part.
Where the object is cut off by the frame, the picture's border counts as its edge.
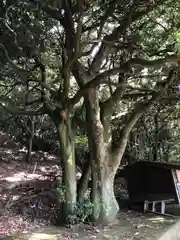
(154, 184)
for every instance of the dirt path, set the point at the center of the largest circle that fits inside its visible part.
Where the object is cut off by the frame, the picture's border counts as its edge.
(129, 226)
(31, 180)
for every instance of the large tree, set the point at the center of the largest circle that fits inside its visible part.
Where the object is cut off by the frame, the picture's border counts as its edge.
(63, 51)
(120, 57)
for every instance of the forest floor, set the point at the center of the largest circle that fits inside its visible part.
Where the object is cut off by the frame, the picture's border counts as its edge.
(27, 206)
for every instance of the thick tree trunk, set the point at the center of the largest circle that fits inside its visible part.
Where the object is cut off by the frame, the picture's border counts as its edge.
(95, 141)
(109, 204)
(67, 155)
(106, 153)
(105, 206)
(95, 189)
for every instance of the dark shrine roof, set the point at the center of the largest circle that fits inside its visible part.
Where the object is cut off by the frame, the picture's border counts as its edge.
(155, 164)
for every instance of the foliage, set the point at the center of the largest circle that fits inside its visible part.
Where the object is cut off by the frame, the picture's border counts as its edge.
(81, 145)
(60, 191)
(120, 57)
(84, 210)
(155, 136)
(177, 45)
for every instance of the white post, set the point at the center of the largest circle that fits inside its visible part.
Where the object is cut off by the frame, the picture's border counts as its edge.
(162, 207)
(154, 206)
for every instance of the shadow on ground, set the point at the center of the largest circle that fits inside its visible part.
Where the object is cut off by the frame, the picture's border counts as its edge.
(28, 203)
(129, 225)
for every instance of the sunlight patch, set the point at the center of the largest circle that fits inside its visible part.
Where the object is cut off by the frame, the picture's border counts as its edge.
(16, 177)
(173, 233)
(9, 151)
(78, 175)
(160, 219)
(157, 219)
(22, 176)
(44, 236)
(51, 157)
(23, 150)
(70, 161)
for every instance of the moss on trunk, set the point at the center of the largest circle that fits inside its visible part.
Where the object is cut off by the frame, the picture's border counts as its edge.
(67, 155)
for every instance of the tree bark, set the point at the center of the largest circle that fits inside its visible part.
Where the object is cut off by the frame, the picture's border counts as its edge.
(94, 132)
(67, 154)
(110, 207)
(105, 206)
